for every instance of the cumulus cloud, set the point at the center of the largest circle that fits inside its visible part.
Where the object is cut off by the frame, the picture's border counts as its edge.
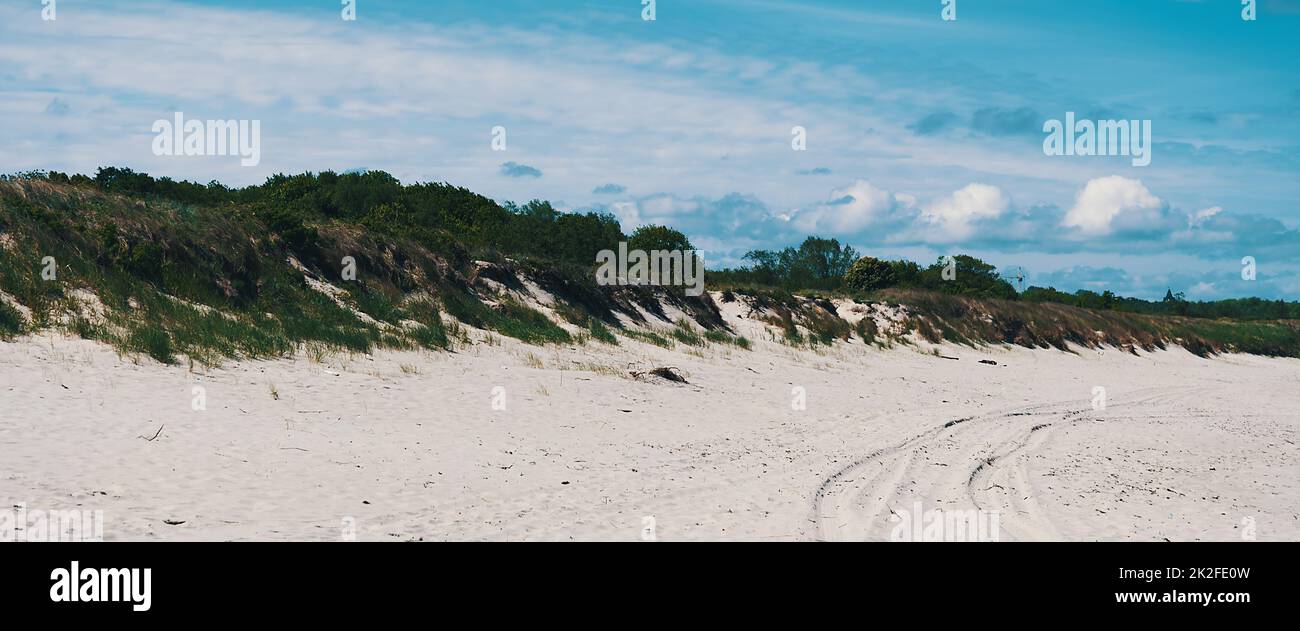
(849, 210)
(954, 216)
(609, 189)
(1107, 204)
(1110, 215)
(1232, 235)
(974, 213)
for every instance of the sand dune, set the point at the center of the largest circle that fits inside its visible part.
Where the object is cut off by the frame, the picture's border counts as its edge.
(408, 445)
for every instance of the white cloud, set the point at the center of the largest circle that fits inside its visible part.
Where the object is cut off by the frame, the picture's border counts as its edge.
(1105, 202)
(850, 210)
(952, 215)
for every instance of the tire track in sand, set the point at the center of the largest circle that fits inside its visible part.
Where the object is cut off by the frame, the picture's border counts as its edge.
(1002, 482)
(854, 503)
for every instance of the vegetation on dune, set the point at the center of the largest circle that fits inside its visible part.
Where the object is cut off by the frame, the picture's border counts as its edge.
(594, 327)
(170, 269)
(973, 304)
(816, 264)
(813, 266)
(944, 317)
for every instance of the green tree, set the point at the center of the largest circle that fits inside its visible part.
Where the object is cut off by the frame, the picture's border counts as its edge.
(652, 237)
(817, 264)
(869, 274)
(824, 259)
(973, 278)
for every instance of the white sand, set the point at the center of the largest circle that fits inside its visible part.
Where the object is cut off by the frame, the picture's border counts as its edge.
(1186, 449)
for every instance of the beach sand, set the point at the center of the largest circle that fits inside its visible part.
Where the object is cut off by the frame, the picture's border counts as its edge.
(409, 445)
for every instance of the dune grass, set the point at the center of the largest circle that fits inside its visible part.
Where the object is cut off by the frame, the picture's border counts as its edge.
(576, 315)
(722, 337)
(508, 318)
(649, 337)
(683, 332)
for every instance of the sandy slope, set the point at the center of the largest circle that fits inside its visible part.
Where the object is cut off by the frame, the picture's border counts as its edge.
(408, 445)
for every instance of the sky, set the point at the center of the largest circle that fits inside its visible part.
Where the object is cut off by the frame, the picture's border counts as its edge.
(922, 137)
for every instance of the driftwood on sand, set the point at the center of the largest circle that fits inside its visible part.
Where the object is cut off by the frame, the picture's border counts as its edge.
(665, 372)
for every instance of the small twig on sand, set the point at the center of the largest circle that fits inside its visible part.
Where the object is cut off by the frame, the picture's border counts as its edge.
(155, 434)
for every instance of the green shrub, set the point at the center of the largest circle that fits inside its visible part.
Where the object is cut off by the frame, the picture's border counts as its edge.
(869, 274)
(825, 327)
(11, 322)
(866, 329)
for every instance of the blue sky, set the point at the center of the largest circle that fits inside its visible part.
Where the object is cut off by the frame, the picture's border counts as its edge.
(924, 136)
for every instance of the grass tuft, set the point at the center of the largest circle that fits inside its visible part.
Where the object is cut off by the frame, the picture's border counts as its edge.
(11, 322)
(152, 341)
(649, 337)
